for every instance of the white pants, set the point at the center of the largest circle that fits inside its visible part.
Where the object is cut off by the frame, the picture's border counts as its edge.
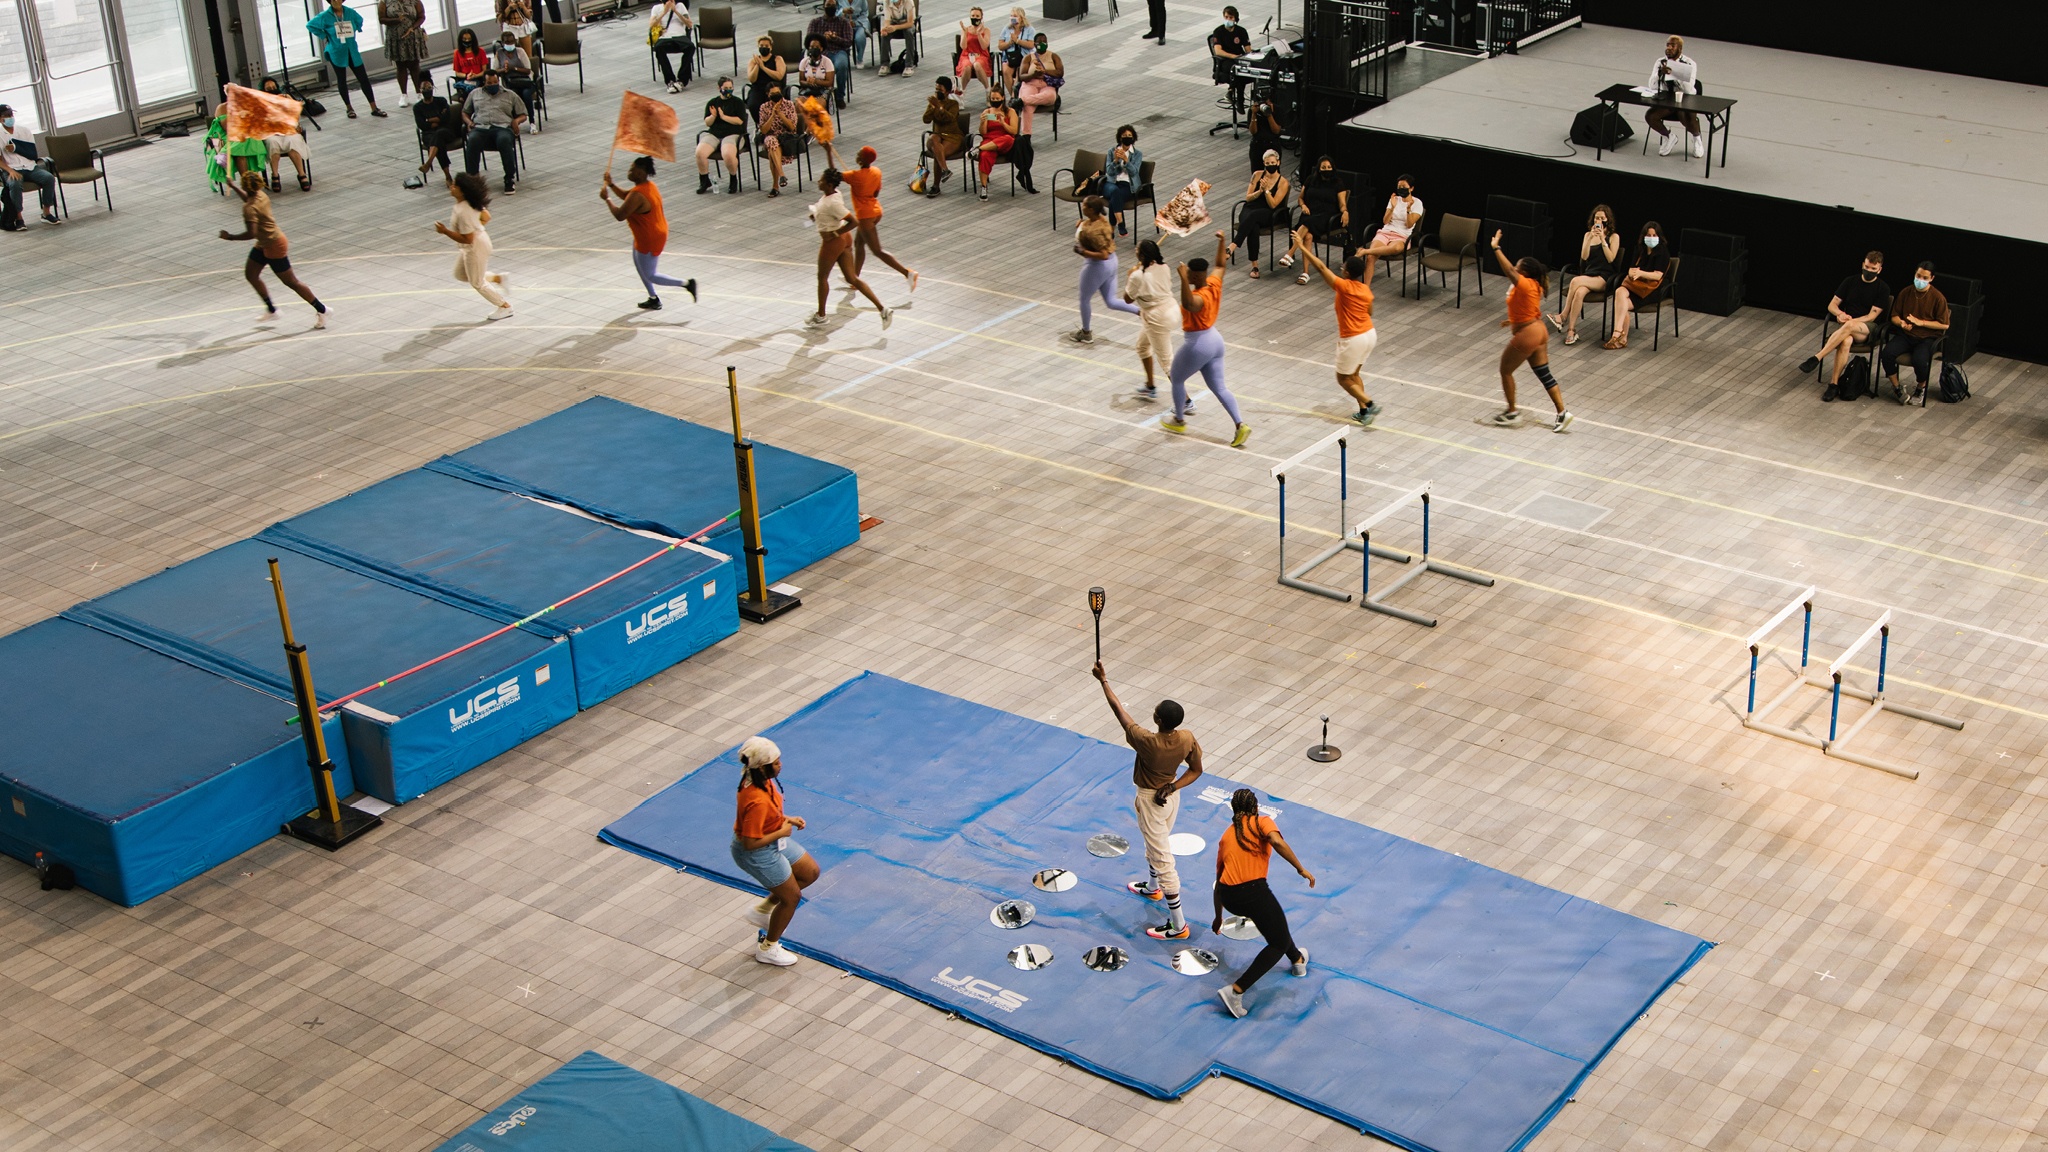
(1155, 824)
(473, 267)
(1155, 341)
(1352, 351)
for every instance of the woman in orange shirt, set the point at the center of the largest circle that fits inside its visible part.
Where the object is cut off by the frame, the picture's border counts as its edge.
(866, 184)
(762, 848)
(1242, 855)
(1530, 340)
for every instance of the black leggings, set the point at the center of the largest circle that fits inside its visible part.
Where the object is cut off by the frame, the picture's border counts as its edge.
(1255, 901)
(341, 82)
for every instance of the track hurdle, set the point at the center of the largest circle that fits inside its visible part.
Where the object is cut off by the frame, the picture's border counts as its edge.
(1296, 577)
(1364, 534)
(1834, 744)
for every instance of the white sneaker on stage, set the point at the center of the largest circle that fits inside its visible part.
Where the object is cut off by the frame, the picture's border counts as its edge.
(1664, 147)
(1699, 146)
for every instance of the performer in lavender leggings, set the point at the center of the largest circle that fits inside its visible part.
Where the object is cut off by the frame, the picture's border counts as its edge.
(1201, 346)
(1095, 240)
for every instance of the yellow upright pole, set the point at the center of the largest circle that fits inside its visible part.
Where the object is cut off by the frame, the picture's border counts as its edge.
(760, 603)
(331, 823)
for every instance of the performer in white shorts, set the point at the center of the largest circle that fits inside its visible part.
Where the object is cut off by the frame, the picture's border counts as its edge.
(1151, 288)
(1356, 337)
(1160, 755)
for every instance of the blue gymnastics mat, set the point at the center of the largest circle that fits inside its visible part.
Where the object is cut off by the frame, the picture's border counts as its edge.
(137, 770)
(406, 738)
(1449, 1007)
(592, 1104)
(645, 470)
(509, 557)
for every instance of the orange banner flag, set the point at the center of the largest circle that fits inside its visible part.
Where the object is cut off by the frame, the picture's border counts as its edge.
(254, 115)
(647, 127)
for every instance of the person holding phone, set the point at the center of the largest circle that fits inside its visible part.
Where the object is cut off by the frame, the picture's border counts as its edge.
(1599, 270)
(1674, 72)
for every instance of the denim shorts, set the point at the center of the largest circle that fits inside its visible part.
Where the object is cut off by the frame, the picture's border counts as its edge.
(768, 866)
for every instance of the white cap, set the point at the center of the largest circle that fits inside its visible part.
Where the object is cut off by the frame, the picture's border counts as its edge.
(759, 752)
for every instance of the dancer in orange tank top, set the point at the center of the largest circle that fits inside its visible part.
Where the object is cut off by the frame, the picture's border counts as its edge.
(1242, 855)
(640, 207)
(1530, 340)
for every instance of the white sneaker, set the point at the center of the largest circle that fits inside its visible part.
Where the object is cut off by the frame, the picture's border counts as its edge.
(1232, 1000)
(814, 320)
(1664, 147)
(269, 314)
(320, 318)
(888, 314)
(1301, 966)
(504, 313)
(405, 99)
(756, 917)
(1699, 146)
(774, 954)
(673, 87)
(1564, 421)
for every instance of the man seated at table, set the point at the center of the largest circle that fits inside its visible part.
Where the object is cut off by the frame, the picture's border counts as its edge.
(1858, 306)
(494, 117)
(1675, 67)
(1919, 317)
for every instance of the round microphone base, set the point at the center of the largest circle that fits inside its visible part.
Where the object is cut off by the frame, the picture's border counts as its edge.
(1324, 753)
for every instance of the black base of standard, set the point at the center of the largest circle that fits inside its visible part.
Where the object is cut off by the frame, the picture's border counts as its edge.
(761, 612)
(1324, 753)
(313, 829)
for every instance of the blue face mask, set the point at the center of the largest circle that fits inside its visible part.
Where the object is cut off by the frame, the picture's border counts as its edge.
(1229, 23)
(1651, 241)
(1921, 282)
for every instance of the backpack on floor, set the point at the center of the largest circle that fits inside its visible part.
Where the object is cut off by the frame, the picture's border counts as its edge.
(1955, 386)
(1855, 380)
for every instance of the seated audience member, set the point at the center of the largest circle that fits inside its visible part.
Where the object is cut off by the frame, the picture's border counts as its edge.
(466, 69)
(975, 59)
(1040, 77)
(834, 34)
(899, 22)
(672, 28)
(1675, 67)
(1228, 44)
(1919, 317)
(857, 15)
(765, 69)
(1646, 267)
(780, 129)
(1399, 222)
(998, 136)
(440, 126)
(1011, 44)
(292, 145)
(816, 75)
(518, 21)
(514, 66)
(1599, 270)
(1265, 206)
(18, 169)
(1122, 175)
(725, 129)
(226, 159)
(494, 117)
(1858, 306)
(942, 115)
(1325, 208)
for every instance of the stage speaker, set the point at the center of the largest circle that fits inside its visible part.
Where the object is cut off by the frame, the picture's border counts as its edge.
(1332, 48)
(1452, 23)
(1965, 314)
(1711, 245)
(1711, 279)
(1524, 227)
(1600, 127)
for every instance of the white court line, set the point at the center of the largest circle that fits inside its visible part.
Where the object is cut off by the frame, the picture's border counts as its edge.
(920, 354)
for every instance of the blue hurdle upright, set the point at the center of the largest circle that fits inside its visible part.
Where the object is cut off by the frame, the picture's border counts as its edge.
(1296, 577)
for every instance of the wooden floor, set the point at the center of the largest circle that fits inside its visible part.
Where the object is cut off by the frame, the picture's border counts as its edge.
(1879, 979)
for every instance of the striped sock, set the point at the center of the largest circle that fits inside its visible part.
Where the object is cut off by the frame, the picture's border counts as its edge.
(1174, 920)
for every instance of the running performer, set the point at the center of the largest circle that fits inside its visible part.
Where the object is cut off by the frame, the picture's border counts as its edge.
(640, 207)
(472, 244)
(1095, 241)
(1201, 346)
(1242, 856)
(271, 249)
(1160, 755)
(1530, 340)
(762, 848)
(1356, 337)
(866, 184)
(836, 225)
(1151, 289)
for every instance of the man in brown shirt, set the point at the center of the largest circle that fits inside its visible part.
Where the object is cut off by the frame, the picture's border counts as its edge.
(1160, 755)
(1919, 317)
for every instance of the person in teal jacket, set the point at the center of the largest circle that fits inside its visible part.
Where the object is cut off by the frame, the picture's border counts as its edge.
(338, 28)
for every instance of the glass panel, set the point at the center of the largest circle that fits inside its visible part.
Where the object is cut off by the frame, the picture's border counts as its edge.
(80, 68)
(437, 18)
(481, 15)
(15, 91)
(300, 44)
(159, 57)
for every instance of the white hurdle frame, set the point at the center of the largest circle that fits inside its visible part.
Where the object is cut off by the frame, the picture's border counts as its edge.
(1364, 532)
(1834, 744)
(1296, 577)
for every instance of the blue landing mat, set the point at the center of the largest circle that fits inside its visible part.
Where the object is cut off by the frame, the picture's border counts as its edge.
(592, 1104)
(1449, 1007)
(137, 770)
(645, 470)
(508, 557)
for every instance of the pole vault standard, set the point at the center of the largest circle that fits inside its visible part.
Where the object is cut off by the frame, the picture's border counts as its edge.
(331, 823)
(761, 603)
(1364, 531)
(1296, 577)
(1835, 744)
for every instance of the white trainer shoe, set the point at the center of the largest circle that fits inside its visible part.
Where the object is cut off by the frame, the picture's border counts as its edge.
(1699, 146)
(1664, 147)
(774, 954)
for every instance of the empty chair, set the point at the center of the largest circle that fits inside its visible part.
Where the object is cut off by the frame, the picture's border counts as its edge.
(715, 31)
(1456, 245)
(1086, 164)
(561, 45)
(77, 162)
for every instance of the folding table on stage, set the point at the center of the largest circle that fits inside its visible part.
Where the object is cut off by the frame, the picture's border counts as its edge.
(1715, 109)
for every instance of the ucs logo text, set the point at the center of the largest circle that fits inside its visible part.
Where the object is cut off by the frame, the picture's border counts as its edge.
(982, 990)
(658, 617)
(483, 704)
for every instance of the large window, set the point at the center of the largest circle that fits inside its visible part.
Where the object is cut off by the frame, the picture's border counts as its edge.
(81, 70)
(159, 54)
(481, 15)
(15, 90)
(299, 44)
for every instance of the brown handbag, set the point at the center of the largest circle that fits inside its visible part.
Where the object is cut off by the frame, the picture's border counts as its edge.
(1640, 287)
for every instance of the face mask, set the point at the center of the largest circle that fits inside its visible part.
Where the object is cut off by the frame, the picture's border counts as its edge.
(767, 49)
(1126, 141)
(492, 89)
(1272, 167)
(1228, 23)
(7, 122)
(974, 20)
(1869, 276)
(725, 90)
(1652, 241)
(1921, 282)
(1403, 192)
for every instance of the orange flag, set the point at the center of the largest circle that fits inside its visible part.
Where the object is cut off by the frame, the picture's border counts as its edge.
(647, 127)
(254, 115)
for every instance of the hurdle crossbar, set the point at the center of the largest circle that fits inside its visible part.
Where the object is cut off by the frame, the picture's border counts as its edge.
(1835, 743)
(1296, 577)
(1364, 529)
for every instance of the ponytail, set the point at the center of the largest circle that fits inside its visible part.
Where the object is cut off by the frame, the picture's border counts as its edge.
(1244, 811)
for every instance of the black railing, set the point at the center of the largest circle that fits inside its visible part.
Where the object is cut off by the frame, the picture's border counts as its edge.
(1349, 42)
(1508, 25)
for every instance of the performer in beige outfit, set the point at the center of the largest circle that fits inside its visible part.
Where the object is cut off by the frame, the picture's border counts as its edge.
(1160, 755)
